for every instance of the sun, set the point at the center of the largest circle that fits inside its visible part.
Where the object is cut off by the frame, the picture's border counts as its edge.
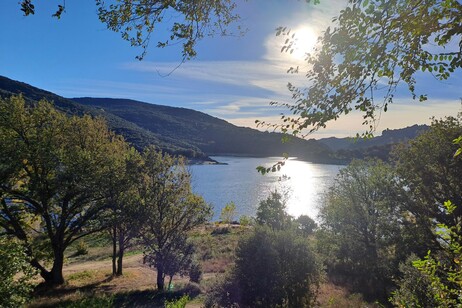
(305, 40)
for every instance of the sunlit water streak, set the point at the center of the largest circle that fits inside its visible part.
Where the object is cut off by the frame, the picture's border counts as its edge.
(238, 181)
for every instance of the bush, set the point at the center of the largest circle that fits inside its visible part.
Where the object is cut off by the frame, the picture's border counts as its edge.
(179, 303)
(273, 268)
(413, 289)
(82, 248)
(225, 293)
(245, 221)
(218, 231)
(305, 225)
(16, 274)
(195, 272)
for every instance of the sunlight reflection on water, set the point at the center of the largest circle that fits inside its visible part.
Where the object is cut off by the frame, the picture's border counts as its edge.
(238, 181)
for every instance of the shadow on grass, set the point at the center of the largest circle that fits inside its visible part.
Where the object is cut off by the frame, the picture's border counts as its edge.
(89, 298)
(43, 290)
(153, 298)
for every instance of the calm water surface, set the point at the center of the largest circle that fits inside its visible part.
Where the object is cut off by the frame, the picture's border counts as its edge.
(238, 181)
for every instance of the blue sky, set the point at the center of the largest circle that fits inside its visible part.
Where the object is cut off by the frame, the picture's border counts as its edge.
(233, 78)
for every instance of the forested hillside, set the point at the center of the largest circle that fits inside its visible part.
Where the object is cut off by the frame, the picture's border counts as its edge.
(193, 134)
(211, 135)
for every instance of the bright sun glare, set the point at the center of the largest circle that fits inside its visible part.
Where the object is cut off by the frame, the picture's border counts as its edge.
(305, 40)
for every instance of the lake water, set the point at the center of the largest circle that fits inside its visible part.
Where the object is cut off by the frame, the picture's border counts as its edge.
(238, 181)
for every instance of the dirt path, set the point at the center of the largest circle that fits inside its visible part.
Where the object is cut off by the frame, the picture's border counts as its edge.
(134, 261)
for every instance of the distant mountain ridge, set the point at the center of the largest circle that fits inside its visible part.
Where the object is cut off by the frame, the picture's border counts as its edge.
(389, 136)
(191, 133)
(379, 146)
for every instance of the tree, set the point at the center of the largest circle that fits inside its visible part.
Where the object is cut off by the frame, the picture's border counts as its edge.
(171, 209)
(305, 224)
(52, 170)
(228, 212)
(430, 167)
(16, 273)
(177, 260)
(188, 21)
(444, 271)
(436, 279)
(364, 229)
(373, 46)
(123, 183)
(272, 212)
(274, 268)
(429, 170)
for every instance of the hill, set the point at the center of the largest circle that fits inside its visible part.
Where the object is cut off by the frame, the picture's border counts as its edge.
(191, 133)
(134, 134)
(379, 146)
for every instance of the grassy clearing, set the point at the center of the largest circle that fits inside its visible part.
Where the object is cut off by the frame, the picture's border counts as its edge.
(89, 282)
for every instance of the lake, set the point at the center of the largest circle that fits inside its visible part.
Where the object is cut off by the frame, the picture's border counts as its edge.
(238, 181)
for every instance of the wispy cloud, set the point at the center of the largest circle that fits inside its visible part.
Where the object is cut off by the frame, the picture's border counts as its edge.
(240, 91)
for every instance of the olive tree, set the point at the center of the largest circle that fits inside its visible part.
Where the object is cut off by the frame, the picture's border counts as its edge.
(272, 212)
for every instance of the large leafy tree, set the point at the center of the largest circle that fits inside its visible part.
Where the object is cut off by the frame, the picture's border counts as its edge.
(124, 205)
(372, 47)
(171, 210)
(53, 170)
(188, 21)
(432, 175)
(364, 228)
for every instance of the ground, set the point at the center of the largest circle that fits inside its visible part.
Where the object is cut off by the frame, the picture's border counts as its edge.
(89, 282)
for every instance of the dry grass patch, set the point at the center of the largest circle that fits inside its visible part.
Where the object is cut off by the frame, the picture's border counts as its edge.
(332, 296)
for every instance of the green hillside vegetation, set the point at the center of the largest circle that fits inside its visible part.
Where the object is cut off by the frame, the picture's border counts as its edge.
(87, 220)
(135, 135)
(211, 135)
(177, 131)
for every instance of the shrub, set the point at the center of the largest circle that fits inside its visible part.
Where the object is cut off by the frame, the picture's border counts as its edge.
(82, 248)
(179, 303)
(15, 273)
(195, 272)
(273, 269)
(245, 221)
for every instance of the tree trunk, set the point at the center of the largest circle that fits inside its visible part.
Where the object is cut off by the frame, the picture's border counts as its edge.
(120, 254)
(56, 272)
(160, 277)
(114, 251)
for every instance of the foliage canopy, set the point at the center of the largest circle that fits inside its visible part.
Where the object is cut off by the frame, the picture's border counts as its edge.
(53, 170)
(373, 46)
(187, 21)
(171, 211)
(16, 273)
